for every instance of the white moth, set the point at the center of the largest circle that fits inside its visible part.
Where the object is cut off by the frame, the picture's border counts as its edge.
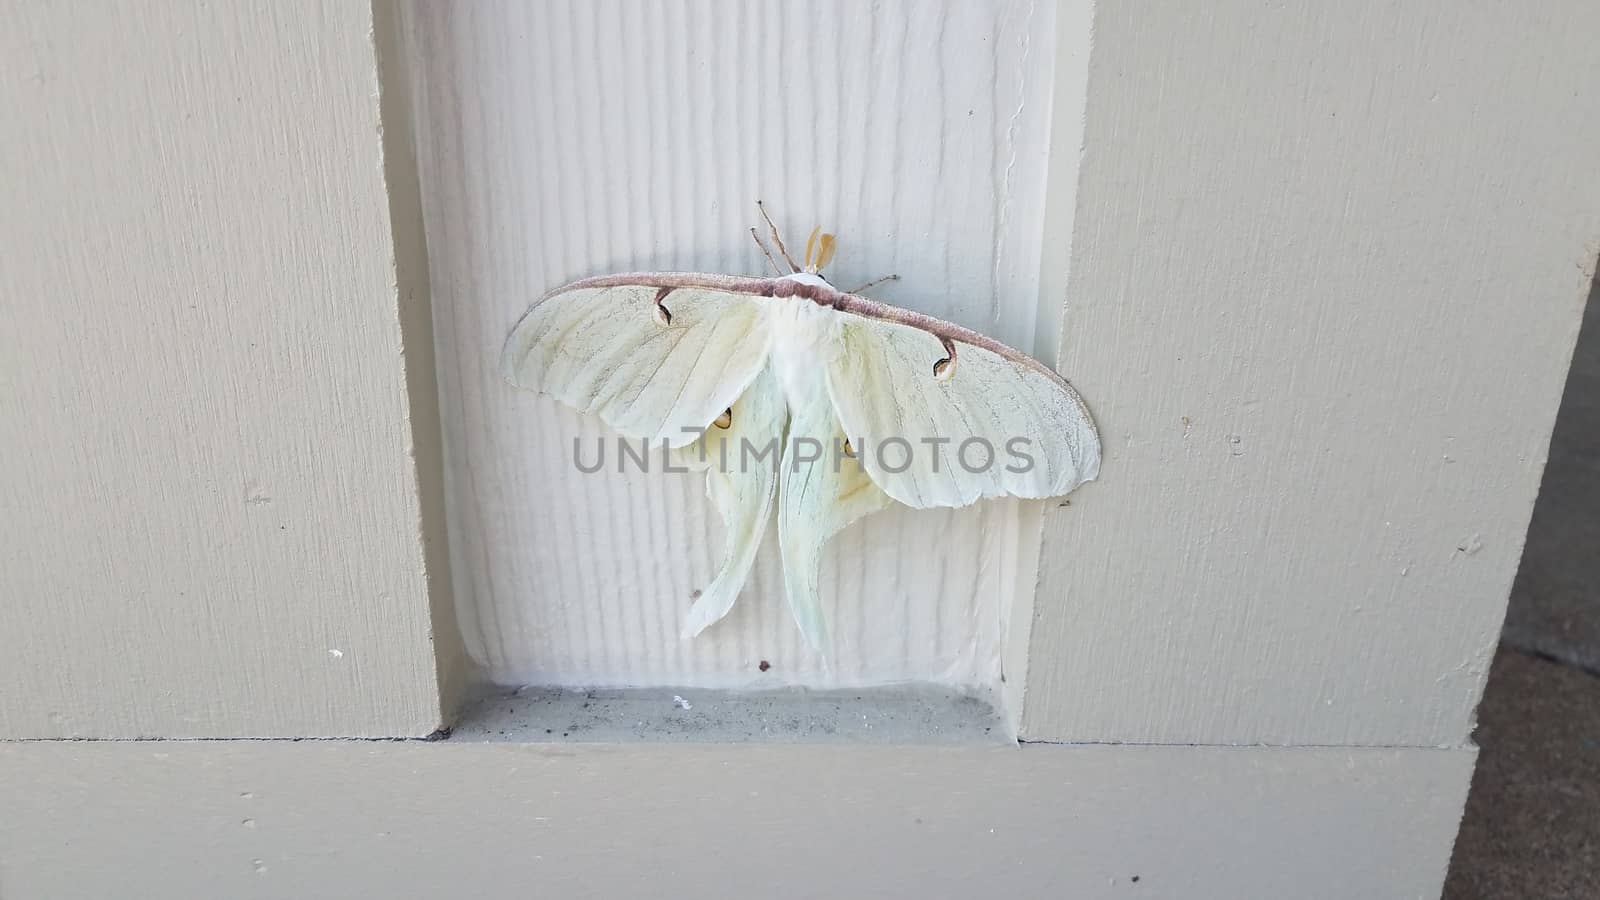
(797, 397)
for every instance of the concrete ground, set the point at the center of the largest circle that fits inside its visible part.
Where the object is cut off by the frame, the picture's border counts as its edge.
(1532, 824)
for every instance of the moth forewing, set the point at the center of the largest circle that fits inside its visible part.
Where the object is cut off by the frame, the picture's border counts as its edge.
(606, 347)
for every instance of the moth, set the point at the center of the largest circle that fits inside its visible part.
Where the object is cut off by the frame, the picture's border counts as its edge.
(802, 403)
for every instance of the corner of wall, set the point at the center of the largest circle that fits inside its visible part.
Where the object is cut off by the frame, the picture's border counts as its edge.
(452, 665)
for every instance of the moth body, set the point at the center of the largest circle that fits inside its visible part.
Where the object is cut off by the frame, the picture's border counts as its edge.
(805, 337)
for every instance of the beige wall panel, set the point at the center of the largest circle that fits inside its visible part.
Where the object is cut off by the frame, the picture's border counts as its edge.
(342, 819)
(211, 518)
(1327, 271)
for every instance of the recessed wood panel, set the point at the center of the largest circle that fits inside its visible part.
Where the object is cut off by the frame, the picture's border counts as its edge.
(560, 140)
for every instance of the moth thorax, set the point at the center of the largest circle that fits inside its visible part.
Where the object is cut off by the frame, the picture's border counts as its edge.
(805, 339)
(801, 326)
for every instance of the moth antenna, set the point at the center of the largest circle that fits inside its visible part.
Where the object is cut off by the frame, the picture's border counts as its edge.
(811, 244)
(944, 368)
(873, 283)
(764, 251)
(776, 240)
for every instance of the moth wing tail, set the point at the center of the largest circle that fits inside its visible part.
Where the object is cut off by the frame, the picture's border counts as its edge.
(743, 489)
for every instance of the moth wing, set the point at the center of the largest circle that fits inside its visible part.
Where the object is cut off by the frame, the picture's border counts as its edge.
(997, 426)
(817, 498)
(602, 350)
(743, 484)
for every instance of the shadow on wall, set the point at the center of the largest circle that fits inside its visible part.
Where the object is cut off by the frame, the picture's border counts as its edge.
(1530, 829)
(1555, 603)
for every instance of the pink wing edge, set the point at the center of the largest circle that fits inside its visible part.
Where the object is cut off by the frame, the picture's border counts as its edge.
(823, 295)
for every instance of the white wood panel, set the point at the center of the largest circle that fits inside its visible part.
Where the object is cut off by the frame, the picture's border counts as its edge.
(1328, 269)
(211, 519)
(566, 139)
(340, 819)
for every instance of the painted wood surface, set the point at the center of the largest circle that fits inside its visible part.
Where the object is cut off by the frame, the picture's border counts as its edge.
(569, 139)
(211, 515)
(1328, 267)
(339, 819)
